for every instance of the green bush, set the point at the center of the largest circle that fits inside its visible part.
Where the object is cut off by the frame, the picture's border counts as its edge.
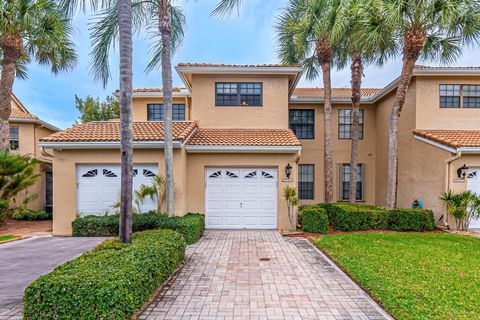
(411, 220)
(3, 210)
(191, 226)
(110, 282)
(30, 215)
(349, 217)
(314, 219)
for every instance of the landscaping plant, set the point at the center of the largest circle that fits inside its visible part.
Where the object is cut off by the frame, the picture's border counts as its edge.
(314, 219)
(464, 206)
(290, 194)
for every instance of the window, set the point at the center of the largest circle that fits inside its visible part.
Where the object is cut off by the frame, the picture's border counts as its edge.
(345, 121)
(155, 112)
(345, 178)
(459, 96)
(306, 178)
(238, 94)
(450, 95)
(302, 122)
(14, 138)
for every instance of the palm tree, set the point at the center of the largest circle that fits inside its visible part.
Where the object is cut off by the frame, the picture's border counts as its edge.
(307, 34)
(30, 30)
(432, 30)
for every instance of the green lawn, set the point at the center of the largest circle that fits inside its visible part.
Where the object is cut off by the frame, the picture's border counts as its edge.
(6, 237)
(414, 276)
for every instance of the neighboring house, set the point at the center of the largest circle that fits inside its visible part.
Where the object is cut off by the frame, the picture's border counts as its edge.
(233, 140)
(26, 130)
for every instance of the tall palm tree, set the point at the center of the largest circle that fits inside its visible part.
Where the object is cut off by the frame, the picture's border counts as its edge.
(433, 30)
(30, 30)
(307, 34)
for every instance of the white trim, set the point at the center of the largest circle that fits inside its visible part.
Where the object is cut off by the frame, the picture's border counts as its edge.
(183, 93)
(36, 121)
(255, 149)
(105, 145)
(436, 144)
(469, 149)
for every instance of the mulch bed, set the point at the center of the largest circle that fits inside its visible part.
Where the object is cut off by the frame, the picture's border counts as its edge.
(25, 228)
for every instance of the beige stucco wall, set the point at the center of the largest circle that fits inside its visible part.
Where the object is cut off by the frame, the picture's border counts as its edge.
(139, 106)
(429, 113)
(64, 177)
(198, 163)
(313, 151)
(273, 113)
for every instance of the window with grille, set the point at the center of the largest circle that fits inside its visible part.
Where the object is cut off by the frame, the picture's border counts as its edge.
(459, 96)
(306, 178)
(14, 145)
(302, 122)
(238, 94)
(345, 180)
(155, 112)
(345, 121)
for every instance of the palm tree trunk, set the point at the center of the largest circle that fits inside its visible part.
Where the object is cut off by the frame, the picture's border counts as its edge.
(165, 26)
(12, 49)
(126, 135)
(328, 153)
(357, 71)
(414, 40)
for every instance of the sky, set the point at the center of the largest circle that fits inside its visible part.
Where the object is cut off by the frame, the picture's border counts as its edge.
(246, 37)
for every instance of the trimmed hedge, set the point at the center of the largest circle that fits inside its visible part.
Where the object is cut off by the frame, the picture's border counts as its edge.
(30, 215)
(3, 210)
(313, 219)
(191, 226)
(411, 220)
(110, 282)
(348, 217)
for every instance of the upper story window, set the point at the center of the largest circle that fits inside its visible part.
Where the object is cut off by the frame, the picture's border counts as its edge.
(302, 122)
(155, 112)
(238, 94)
(345, 121)
(459, 96)
(14, 138)
(345, 181)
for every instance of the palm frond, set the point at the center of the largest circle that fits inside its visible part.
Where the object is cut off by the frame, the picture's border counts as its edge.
(226, 7)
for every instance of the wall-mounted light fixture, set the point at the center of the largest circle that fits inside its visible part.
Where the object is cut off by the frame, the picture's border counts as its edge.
(462, 171)
(288, 170)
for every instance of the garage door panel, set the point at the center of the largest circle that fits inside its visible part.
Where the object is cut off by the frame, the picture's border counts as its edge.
(248, 198)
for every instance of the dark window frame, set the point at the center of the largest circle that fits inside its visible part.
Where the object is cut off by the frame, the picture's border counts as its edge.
(349, 125)
(293, 126)
(160, 112)
(236, 100)
(459, 96)
(14, 138)
(344, 185)
(310, 191)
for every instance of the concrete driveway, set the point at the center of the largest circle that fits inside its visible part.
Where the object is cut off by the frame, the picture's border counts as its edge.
(260, 275)
(23, 261)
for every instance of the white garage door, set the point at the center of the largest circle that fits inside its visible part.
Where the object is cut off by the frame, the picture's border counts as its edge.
(473, 184)
(241, 198)
(98, 187)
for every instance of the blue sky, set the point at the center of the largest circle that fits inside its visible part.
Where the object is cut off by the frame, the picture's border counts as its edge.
(244, 38)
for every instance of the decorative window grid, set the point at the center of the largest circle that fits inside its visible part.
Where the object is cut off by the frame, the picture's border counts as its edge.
(155, 112)
(345, 122)
(345, 179)
(459, 96)
(14, 138)
(302, 123)
(306, 181)
(239, 94)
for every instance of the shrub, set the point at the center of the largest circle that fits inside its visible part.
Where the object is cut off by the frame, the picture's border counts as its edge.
(191, 226)
(348, 217)
(30, 215)
(3, 210)
(110, 282)
(411, 220)
(314, 219)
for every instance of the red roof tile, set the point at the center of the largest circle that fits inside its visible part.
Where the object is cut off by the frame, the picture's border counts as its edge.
(273, 65)
(337, 93)
(244, 137)
(452, 138)
(21, 115)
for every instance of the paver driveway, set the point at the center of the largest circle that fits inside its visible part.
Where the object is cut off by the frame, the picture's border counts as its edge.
(23, 261)
(260, 275)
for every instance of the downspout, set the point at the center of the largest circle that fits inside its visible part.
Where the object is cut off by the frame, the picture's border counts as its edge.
(447, 181)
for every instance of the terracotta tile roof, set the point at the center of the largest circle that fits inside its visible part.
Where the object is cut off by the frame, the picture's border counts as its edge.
(447, 67)
(337, 93)
(452, 138)
(21, 115)
(110, 131)
(273, 65)
(244, 137)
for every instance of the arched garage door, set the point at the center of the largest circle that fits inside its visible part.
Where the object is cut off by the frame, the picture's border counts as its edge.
(239, 198)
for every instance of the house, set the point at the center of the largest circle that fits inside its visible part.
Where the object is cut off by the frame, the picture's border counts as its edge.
(237, 128)
(26, 130)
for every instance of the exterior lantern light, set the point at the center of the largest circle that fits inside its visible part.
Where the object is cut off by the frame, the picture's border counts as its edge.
(462, 171)
(288, 170)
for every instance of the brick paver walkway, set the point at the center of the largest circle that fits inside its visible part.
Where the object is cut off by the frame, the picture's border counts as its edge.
(260, 275)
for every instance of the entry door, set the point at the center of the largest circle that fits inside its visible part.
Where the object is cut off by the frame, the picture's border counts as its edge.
(239, 198)
(473, 185)
(98, 187)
